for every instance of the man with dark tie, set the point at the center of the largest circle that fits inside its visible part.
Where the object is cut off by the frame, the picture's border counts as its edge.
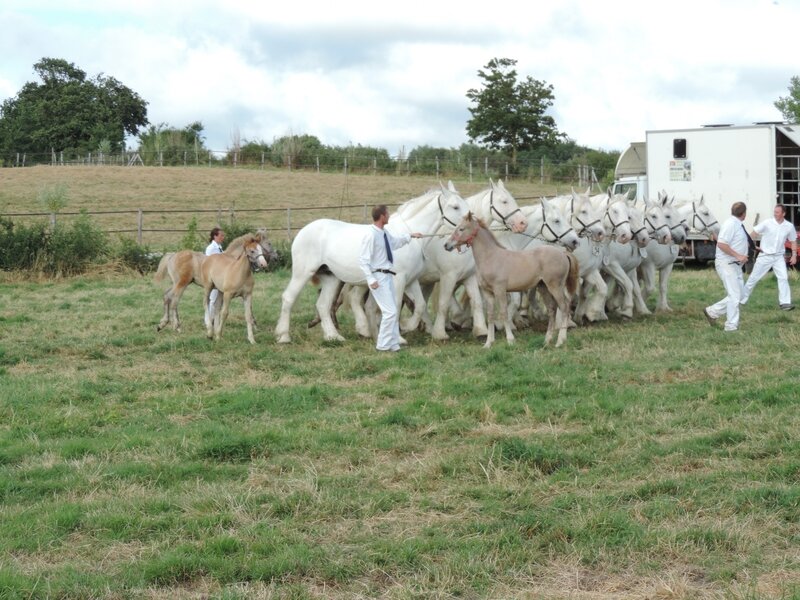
(377, 262)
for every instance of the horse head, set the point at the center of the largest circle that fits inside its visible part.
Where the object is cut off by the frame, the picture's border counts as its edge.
(655, 218)
(554, 226)
(639, 229)
(585, 218)
(617, 219)
(464, 233)
(254, 251)
(451, 205)
(503, 207)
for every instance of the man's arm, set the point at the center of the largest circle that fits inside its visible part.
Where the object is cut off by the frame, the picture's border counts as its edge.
(742, 258)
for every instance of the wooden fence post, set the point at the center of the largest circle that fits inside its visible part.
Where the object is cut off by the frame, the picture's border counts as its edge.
(289, 223)
(140, 226)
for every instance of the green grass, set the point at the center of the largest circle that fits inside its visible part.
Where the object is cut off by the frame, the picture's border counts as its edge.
(650, 458)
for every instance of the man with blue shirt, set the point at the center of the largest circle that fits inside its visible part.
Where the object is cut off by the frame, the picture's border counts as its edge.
(730, 256)
(377, 261)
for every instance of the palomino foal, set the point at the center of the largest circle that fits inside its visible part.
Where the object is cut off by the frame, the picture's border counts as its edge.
(549, 268)
(232, 276)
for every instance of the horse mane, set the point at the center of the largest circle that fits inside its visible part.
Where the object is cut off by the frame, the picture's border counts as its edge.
(409, 208)
(485, 227)
(236, 247)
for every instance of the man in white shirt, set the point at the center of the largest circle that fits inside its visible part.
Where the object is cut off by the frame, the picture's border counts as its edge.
(774, 234)
(376, 261)
(731, 254)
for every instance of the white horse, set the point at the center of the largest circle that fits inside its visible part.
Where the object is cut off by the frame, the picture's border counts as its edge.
(661, 258)
(330, 249)
(650, 229)
(494, 205)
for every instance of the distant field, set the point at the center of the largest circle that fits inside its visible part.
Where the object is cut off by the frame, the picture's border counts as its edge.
(239, 190)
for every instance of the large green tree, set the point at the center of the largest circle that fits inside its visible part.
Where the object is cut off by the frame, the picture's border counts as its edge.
(68, 111)
(790, 105)
(508, 114)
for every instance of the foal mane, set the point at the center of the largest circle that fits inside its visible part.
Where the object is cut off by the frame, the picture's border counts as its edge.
(236, 247)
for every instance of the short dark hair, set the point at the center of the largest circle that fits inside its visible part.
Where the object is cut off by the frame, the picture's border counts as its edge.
(738, 209)
(213, 234)
(782, 207)
(379, 211)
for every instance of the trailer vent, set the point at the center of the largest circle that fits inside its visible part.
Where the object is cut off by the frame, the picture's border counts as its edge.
(719, 125)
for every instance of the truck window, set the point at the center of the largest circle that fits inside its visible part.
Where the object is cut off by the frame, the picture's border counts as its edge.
(679, 148)
(626, 188)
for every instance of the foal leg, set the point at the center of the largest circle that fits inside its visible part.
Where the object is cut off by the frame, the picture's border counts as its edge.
(248, 316)
(552, 312)
(167, 304)
(479, 326)
(221, 316)
(490, 314)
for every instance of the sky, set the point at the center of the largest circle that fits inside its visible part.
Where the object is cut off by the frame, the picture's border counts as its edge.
(394, 75)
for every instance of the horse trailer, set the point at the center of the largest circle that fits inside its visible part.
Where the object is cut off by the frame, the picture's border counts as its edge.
(757, 164)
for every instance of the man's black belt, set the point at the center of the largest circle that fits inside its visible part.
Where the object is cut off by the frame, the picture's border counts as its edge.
(387, 271)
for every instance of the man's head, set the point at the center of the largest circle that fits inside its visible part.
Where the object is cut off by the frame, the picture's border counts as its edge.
(380, 214)
(739, 210)
(779, 213)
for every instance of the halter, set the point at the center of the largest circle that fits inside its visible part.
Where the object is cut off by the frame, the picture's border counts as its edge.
(653, 227)
(695, 215)
(584, 226)
(610, 220)
(550, 229)
(441, 210)
(493, 209)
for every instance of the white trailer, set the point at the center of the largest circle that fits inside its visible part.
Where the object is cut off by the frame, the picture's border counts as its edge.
(757, 164)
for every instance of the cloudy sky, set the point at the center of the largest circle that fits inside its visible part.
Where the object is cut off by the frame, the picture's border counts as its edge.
(395, 74)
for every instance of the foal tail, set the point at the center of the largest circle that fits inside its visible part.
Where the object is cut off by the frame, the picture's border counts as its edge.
(162, 266)
(574, 274)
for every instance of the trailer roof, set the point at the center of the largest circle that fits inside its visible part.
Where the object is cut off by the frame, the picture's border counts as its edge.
(633, 161)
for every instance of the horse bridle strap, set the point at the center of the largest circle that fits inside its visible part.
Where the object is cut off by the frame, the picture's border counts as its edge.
(441, 210)
(584, 226)
(695, 215)
(493, 209)
(653, 227)
(556, 238)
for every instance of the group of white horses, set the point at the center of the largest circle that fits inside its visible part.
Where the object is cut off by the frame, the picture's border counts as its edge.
(620, 246)
(584, 255)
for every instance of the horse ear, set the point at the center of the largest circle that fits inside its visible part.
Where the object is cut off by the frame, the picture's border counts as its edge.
(451, 186)
(701, 199)
(545, 203)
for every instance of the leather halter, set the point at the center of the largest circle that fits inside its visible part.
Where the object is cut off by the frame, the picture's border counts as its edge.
(584, 226)
(493, 209)
(695, 215)
(557, 238)
(441, 210)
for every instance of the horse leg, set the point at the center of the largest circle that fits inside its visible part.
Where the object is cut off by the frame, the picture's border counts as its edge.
(221, 316)
(167, 304)
(595, 304)
(327, 296)
(248, 316)
(447, 286)
(414, 290)
(638, 300)
(209, 323)
(288, 298)
(479, 325)
(663, 287)
(490, 316)
(355, 298)
(552, 308)
(502, 303)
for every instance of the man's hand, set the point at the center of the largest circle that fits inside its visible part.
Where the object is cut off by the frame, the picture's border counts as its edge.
(374, 285)
(416, 235)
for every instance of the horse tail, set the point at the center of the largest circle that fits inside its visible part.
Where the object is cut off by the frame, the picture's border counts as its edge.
(574, 274)
(162, 266)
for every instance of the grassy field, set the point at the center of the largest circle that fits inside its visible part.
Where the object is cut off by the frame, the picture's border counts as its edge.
(656, 458)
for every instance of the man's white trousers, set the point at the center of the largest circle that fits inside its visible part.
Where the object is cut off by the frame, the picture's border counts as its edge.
(763, 264)
(732, 279)
(389, 331)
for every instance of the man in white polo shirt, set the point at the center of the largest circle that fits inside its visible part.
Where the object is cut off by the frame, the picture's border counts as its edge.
(774, 234)
(731, 254)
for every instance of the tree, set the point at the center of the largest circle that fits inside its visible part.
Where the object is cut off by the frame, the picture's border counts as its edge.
(790, 105)
(69, 112)
(510, 115)
(162, 144)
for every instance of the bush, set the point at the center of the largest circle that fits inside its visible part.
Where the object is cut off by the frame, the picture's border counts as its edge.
(136, 257)
(22, 247)
(72, 248)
